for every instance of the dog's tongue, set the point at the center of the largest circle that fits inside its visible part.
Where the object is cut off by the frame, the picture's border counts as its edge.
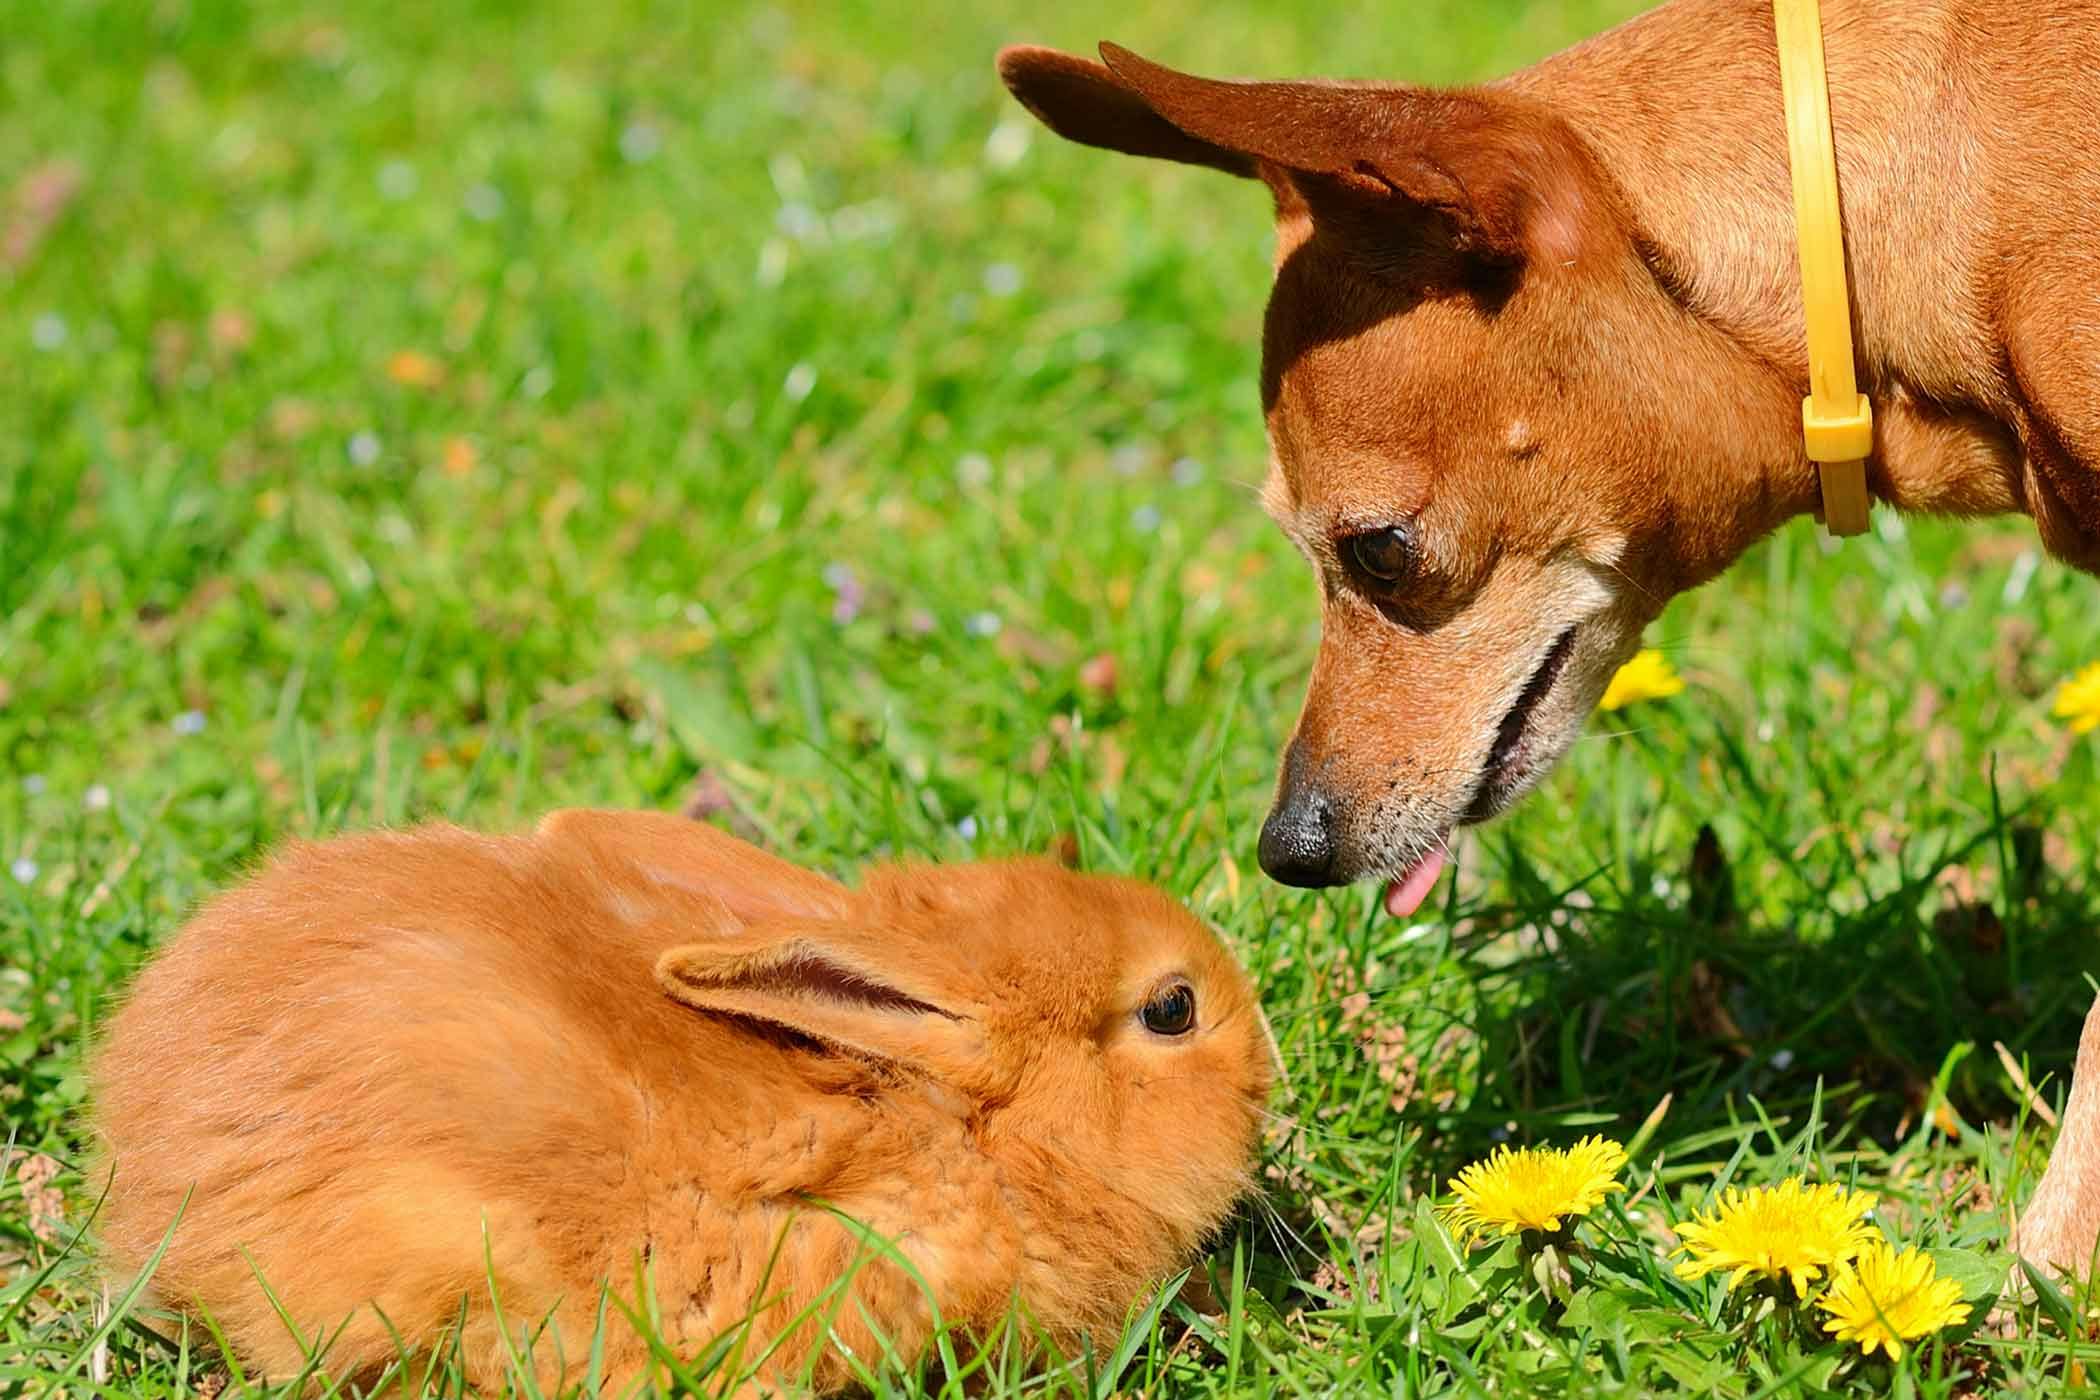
(1405, 895)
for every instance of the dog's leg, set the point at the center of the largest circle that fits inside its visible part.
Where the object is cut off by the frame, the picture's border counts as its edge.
(2062, 1221)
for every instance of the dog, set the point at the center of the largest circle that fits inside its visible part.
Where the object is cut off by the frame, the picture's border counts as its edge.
(1534, 357)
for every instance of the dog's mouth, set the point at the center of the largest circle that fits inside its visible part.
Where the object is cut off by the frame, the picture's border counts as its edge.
(1509, 758)
(1509, 763)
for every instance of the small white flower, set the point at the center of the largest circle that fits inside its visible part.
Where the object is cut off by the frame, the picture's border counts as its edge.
(973, 469)
(484, 202)
(48, 331)
(397, 179)
(1187, 471)
(967, 828)
(1145, 519)
(1002, 279)
(363, 448)
(640, 142)
(96, 798)
(189, 722)
(537, 381)
(1782, 1059)
(1128, 460)
(982, 624)
(800, 380)
(34, 784)
(798, 221)
(24, 870)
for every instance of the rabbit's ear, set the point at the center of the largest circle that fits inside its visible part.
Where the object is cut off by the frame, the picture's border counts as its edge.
(688, 855)
(816, 980)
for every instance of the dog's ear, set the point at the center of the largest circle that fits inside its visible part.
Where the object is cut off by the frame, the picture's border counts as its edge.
(1082, 101)
(1501, 177)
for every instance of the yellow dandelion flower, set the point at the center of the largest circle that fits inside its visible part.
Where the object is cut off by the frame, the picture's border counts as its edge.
(1790, 1230)
(2078, 700)
(414, 369)
(1532, 1188)
(1647, 677)
(1885, 1298)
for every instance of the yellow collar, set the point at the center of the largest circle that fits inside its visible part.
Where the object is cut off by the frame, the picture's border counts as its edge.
(1837, 423)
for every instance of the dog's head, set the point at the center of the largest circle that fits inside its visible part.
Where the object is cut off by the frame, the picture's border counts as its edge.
(1495, 432)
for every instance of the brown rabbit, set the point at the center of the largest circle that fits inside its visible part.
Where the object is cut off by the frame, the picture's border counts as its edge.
(2061, 1224)
(392, 1069)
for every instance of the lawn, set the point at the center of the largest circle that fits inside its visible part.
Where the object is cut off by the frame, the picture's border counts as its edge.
(450, 411)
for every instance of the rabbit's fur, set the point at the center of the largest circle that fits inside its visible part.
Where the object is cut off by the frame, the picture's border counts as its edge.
(393, 1067)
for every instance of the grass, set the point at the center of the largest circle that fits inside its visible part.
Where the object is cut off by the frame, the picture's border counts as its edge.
(443, 410)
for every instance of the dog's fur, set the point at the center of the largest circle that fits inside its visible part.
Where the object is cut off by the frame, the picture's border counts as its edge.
(1551, 328)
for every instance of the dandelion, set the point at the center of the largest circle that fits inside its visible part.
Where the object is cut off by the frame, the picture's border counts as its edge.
(1532, 1188)
(2078, 700)
(414, 370)
(1791, 1230)
(1885, 1298)
(1647, 677)
(459, 457)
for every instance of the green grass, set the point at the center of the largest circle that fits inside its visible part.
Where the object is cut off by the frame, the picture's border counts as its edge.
(736, 313)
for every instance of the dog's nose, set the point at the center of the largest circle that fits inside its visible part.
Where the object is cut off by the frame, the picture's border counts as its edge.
(1298, 842)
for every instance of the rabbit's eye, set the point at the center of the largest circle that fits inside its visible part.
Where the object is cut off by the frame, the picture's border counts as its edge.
(1172, 1010)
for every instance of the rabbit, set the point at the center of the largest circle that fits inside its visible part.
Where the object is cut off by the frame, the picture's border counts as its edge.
(393, 1074)
(2060, 1227)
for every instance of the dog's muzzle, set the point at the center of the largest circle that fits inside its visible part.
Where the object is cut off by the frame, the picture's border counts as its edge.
(1300, 841)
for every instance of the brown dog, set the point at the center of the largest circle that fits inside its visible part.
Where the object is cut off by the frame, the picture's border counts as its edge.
(1534, 358)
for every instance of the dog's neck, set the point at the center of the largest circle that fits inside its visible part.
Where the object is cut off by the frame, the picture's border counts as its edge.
(1682, 106)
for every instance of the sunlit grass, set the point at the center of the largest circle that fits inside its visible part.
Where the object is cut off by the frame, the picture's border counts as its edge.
(440, 411)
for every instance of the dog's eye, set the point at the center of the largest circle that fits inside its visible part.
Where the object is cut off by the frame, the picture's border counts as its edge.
(1172, 1010)
(1385, 555)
